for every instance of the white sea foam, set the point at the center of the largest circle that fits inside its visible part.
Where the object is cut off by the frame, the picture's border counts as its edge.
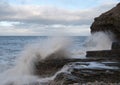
(92, 65)
(96, 41)
(99, 41)
(22, 73)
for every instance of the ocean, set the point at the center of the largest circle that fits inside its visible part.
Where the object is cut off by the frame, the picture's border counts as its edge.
(11, 47)
(18, 55)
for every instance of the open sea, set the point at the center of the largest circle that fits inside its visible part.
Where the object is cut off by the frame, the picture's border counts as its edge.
(18, 55)
(11, 47)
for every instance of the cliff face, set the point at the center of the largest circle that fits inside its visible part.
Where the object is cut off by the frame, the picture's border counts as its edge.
(108, 21)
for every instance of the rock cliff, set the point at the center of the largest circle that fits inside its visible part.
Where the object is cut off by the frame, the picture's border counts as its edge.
(108, 21)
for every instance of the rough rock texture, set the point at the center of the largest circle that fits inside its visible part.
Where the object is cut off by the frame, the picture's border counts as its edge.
(91, 75)
(115, 45)
(84, 74)
(108, 21)
(101, 66)
(65, 79)
(105, 54)
(113, 54)
(50, 67)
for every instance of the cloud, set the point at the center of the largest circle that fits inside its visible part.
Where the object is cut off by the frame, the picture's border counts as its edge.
(46, 20)
(48, 15)
(13, 31)
(40, 15)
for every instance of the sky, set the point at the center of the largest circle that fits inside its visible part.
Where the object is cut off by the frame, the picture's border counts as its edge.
(50, 17)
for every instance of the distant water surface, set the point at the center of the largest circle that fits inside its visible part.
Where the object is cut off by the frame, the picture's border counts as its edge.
(11, 47)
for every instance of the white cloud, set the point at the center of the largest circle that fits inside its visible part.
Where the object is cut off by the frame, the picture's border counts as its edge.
(46, 20)
(13, 31)
(50, 15)
(46, 30)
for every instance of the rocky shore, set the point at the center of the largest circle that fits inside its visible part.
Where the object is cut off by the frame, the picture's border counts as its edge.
(108, 21)
(102, 72)
(93, 70)
(101, 67)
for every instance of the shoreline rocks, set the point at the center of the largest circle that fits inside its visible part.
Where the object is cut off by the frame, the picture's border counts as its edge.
(105, 54)
(108, 21)
(113, 54)
(81, 73)
(100, 67)
(50, 67)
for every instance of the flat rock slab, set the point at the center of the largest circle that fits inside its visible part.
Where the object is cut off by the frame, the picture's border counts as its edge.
(83, 72)
(98, 71)
(104, 54)
(50, 67)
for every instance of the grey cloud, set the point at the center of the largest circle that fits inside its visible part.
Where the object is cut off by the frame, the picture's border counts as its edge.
(45, 15)
(30, 15)
(43, 20)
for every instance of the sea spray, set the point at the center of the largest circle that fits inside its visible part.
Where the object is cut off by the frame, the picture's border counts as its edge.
(40, 51)
(100, 41)
(23, 72)
(96, 41)
(52, 48)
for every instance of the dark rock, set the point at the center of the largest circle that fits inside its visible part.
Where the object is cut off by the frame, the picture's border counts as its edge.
(104, 54)
(50, 67)
(91, 75)
(108, 21)
(83, 73)
(116, 45)
(117, 64)
(105, 74)
(86, 74)
(65, 79)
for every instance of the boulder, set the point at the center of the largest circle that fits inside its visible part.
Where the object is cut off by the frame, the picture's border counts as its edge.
(108, 21)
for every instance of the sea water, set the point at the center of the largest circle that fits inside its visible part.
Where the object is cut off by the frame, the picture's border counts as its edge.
(19, 53)
(11, 47)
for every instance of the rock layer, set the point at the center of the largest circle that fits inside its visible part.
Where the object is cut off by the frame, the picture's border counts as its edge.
(108, 21)
(50, 67)
(82, 73)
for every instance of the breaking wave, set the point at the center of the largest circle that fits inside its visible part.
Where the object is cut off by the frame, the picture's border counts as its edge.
(100, 41)
(52, 48)
(23, 72)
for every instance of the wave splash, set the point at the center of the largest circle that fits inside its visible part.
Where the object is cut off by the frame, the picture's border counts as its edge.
(100, 41)
(52, 48)
(23, 72)
(96, 41)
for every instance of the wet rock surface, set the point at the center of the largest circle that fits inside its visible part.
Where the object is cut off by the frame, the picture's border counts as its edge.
(115, 45)
(83, 72)
(88, 75)
(105, 54)
(50, 67)
(65, 79)
(113, 54)
(102, 66)
(97, 67)
(108, 21)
